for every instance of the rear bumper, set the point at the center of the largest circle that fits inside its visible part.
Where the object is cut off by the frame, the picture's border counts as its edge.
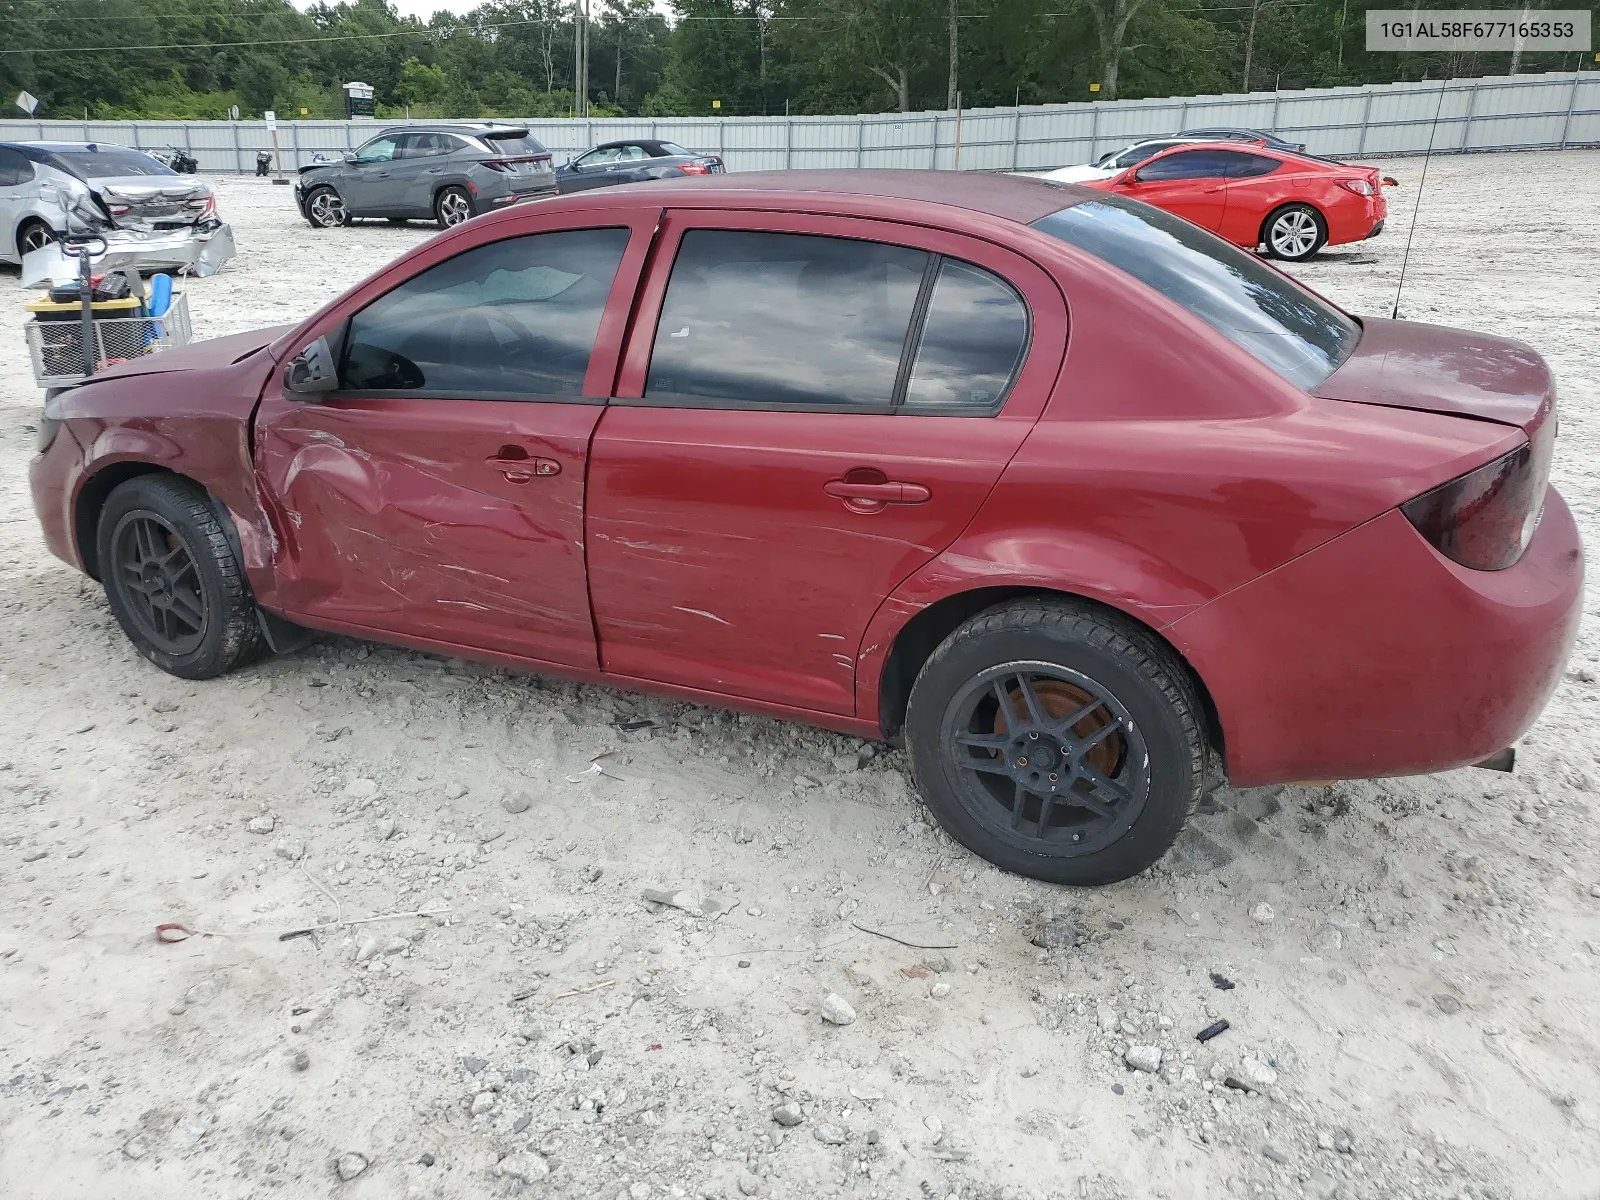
(1375, 655)
(1356, 218)
(1376, 230)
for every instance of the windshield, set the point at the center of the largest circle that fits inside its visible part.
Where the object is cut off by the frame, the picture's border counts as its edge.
(1300, 336)
(109, 162)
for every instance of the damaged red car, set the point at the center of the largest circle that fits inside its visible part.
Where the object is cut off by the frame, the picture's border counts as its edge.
(1091, 507)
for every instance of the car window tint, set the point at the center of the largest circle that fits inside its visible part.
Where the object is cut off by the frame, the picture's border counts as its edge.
(672, 148)
(108, 162)
(514, 142)
(972, 342)
(509, 319)
(1135, 156)
(784, 319)
(1296, 333)
(1251, 166)
(15, 169)
(634, 153)
(378, 149)
(415, 145)
(1186, 164)
(598, 158)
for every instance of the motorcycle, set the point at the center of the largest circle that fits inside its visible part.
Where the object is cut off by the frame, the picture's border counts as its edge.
(263, 162)
(180, 161)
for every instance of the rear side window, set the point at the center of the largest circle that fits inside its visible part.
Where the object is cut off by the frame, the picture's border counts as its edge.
(784, 320)
(973, 342)
(508, 320)
(674, 148)
(15, 169)
(1299, 335)
(1251, 166)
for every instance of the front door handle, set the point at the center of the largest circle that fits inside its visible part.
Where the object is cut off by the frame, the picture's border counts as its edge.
(518, 467)
(867, 490)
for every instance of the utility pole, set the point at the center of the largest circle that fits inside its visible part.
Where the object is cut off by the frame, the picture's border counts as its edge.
(955, 60)
(580, 58)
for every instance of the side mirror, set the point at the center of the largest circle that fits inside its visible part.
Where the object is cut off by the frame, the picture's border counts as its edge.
(351, 159)
(312, 371)
(572, 164)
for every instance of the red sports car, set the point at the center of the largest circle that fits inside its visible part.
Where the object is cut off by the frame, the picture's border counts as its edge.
(1253, 196)
(1093, 508)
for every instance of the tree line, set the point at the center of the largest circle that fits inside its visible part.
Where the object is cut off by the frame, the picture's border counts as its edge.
(198, 59)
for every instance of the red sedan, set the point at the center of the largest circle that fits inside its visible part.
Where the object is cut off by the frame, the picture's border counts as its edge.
(1093, 508)
(1253, 196)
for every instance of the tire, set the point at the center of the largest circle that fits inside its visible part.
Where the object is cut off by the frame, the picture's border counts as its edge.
(452, 206)
(1112, 699)
(34, 235)
(173, 581)
(1294, 232)
(325, 208)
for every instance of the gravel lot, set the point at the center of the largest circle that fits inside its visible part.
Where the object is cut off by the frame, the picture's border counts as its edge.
(1417, 961)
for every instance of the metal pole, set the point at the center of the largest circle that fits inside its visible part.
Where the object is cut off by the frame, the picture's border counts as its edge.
(1572, 102)
(861, 139)
(1094, 131)
(1472, 104)
(237, 169)
(1016, 135)
(1366, 113)
(957, 164)
(933, 148)
(788, 136)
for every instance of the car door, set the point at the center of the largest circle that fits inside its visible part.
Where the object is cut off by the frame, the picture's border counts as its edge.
(1257, 184)
(1191, 184)
(633, 164)
(437, 496)
(809, 410)
(427, 161)
(17, 191)
(591, 170)
(365, 186)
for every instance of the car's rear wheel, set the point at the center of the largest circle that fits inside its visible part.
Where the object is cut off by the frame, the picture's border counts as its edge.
(1057, 740)
(1294, 232)
(452, 206)
(34, 235)
(325, 209)
(172, 578)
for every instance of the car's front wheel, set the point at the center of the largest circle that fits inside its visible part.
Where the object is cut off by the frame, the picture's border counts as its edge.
(452, 206)
(1294, 232)
(325, 209)
(172, 579)
(1057, 740)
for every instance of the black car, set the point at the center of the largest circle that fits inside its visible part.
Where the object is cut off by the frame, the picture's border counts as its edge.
(632, 161)
(447, 172)
(1270, 140)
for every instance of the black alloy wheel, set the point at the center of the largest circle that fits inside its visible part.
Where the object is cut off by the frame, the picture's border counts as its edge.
(155, 574)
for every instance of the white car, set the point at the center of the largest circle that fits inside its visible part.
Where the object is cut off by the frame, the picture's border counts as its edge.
(1115, 162)
(149, 215)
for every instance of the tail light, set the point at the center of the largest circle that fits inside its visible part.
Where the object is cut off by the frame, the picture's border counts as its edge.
(119, 210)
(206, 204)
(1485, 519)
(499, 164)
(695, 168)
(1361, 187)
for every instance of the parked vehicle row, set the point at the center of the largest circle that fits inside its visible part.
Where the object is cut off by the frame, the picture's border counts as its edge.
(451, 173)
(820, 451)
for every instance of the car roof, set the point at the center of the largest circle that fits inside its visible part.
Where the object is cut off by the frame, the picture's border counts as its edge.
(656, 142)
(1023, 199)
(471, 130)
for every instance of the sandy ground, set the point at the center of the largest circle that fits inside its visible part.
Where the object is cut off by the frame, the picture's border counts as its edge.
(1416, 960)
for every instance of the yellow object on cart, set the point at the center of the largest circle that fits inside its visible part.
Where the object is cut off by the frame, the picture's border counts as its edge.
(53, 310)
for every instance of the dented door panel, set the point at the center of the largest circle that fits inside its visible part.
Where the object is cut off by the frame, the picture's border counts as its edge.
(454, 520)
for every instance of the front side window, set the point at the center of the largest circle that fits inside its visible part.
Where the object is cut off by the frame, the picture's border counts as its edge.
(973, 342)
(599, 158)
(378, 150)
(511, 320)
(784, 319)
(1299, 335)
(1186, 164)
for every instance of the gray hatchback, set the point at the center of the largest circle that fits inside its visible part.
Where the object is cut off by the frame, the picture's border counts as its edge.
(447, 172)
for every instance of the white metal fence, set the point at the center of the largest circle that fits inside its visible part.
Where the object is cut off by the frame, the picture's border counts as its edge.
(1499, 113)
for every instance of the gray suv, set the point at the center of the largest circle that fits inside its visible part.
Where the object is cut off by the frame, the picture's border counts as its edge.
(447, 172)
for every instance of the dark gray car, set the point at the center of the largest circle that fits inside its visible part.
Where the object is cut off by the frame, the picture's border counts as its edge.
(447, 172)
(633, 161)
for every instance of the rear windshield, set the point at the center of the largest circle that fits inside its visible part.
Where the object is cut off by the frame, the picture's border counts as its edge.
(1300, 336)
(108, 162)
(514, 142)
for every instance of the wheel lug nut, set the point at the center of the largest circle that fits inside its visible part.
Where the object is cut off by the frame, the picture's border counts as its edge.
(1054, 777)
(1022, 762)
(1034, 736)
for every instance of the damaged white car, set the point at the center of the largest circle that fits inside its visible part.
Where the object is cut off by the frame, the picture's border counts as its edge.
(151, 217)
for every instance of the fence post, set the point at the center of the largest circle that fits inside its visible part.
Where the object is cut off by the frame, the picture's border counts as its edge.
(1094, 131)
(294, 136)
(1183, 118)
(788, 139)
(1366, 115)
(188, 139)
(933, 143)
(1472, 105)
(1016, 135)
(1572, 102)
(236, 153)
(861, 138)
